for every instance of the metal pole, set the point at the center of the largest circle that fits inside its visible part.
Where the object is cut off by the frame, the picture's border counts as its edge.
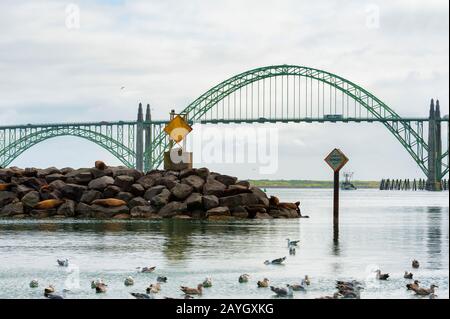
(336, 199)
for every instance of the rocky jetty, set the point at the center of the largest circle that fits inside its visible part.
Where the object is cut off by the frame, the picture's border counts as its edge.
(123, 193)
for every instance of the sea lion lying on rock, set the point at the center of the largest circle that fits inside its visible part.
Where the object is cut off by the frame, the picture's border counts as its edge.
(100, 165)
(109, 202)
(5, 187)
(48, 204)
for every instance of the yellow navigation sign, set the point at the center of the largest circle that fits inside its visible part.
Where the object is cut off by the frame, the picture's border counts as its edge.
(336, 159)
(177, 129)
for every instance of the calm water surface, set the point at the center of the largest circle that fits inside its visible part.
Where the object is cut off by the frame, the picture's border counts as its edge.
(384, 230)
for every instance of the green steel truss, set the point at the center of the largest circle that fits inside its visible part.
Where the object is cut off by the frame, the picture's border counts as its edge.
(326, 95)
(274, 94)
(117, 138)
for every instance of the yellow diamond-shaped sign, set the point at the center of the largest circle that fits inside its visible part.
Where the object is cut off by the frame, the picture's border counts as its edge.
(177, 129)
(336, 159)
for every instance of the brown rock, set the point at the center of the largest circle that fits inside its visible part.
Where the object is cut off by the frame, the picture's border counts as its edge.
(218, 211)
(137, 190)
(122, 216)
(195, 181)
(239, 200)
(226, 179)
(172, 209)
(124, 182)
(210, 201)
(181, 191)
(213, 187)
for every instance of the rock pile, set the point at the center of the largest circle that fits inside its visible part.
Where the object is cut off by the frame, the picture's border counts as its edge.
(123, 193)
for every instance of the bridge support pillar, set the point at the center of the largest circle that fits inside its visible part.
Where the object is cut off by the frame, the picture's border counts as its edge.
(148, 138)
(434, 178)
(140, 139)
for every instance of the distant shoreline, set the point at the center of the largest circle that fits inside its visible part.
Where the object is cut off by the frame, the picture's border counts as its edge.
(309, 184)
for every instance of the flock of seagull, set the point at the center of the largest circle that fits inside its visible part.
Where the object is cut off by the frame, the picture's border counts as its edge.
(345, 289)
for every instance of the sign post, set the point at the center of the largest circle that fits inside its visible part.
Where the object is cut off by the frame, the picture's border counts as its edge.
(336, 160)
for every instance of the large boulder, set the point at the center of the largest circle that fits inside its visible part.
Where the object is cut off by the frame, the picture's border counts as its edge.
(161, 199)
(148, 181)
(203, 173)
(181, 191)
(262, 197)
(22, 190)
(262, 216)
(218, 211)
(12, 209)
(137, 190)
(47, 171)
(90, 195)
(194, 181)
(194, 201)
(239, 212)
(239, 200)
(101, 183)
(111, 191)
(172, 209)
(124, 182)
(67, 208)
(7, 198)
(143, 211)
(213, 187)
(54, 177)
(128, 172)
(79, 176)
(169, 181)
(210, 201)
(83, 210)
(226, 179)
(187, 172)
(31, 199)
(125, 196)
(152, 192)
(73, 191)
(100, 212)
(57, 185)
(138, 201)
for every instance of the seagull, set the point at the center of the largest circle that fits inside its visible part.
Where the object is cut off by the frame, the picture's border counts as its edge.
(408, 275)
(161, 279)
(207, 283)
(415, 264)
(129, 281)
(154, 288)
(278, 261)
(283, 292)
(147, 269)
(292, 242)
(244, 278)
(413, 286)
(63, 262)
(424, 291)
(381, 276)
(263, 283)
(100, 287)
(138, 295)
(306, 280)
(122, 87)
(192, 291)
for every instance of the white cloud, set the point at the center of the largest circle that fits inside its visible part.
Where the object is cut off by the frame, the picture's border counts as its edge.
(169, 52)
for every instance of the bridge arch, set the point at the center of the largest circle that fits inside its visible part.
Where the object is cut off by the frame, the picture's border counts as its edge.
(354, 101)
(30, 137)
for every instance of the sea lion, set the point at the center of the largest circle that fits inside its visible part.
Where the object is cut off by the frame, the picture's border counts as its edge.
(100, 165)
(274, 201)
(48, 204)
(5, 187)
(288, 206)
(109, 202)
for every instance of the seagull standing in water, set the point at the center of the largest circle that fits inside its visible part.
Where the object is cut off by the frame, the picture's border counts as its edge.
(292, 242)
(283, 292)
(278, 261)
(63, 262)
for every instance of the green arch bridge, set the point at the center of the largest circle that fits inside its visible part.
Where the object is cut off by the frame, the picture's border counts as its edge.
(273, 94)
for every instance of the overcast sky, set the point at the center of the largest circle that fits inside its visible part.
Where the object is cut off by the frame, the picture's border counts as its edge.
(168, 53)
